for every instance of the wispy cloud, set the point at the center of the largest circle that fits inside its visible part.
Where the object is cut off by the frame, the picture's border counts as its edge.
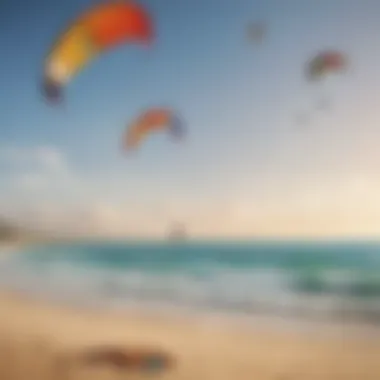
(45, 191)
(42, 157)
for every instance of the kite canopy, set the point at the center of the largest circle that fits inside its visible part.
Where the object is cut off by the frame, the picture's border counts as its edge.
(325, 63)
(102, 27)
(256, 32)
(150, 121)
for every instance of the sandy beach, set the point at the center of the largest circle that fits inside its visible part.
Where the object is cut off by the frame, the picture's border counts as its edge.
(34, 336)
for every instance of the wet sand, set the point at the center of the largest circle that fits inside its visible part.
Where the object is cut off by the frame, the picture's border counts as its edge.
(35, 336)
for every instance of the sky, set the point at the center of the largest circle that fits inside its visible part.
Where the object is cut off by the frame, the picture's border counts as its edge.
(246, 168)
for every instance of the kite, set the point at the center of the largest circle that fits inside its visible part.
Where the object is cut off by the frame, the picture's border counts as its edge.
(325, 63)
(152, 120)
(102, 27)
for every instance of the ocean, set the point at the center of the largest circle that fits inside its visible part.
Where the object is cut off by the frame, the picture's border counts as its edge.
(331, 281)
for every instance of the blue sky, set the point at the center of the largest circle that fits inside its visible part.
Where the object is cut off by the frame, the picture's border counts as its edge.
(245, 168)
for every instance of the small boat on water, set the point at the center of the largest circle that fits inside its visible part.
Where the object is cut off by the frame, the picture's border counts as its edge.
(177, 233)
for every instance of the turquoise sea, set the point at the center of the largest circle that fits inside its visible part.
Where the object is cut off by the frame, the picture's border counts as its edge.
(315, 280)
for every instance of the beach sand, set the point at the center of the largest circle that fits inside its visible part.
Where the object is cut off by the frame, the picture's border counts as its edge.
(35, 336)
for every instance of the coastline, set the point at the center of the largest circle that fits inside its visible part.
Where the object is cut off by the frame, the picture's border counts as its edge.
(34, 332)
(203, 351)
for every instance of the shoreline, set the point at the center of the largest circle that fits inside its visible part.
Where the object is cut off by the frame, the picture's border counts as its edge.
(207, 345)
(202, 351)
(296, 320)
(216, 320)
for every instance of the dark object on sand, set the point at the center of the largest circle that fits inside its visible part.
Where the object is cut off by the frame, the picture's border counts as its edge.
(138, 359)
(122, 358)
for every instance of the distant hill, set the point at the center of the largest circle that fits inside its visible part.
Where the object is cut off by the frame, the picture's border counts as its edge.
(9, 232)
(13, 232)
